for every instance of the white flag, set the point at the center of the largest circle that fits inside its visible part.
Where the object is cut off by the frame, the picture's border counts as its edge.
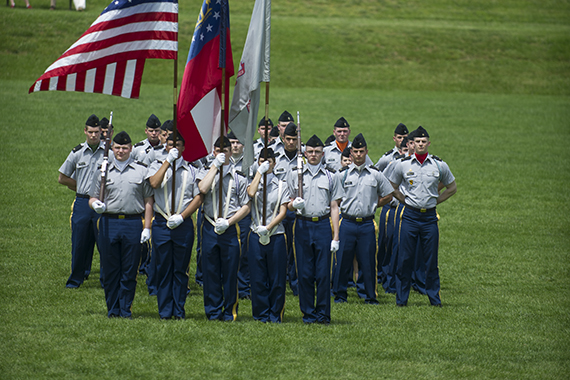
(253, 69)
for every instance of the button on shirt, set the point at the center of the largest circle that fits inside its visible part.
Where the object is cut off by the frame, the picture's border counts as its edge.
(238, 196)
(186, 187)
(318, 190)
(362, 189)
(418, 183)
(82, 164)
(272, 198)
(125, 190)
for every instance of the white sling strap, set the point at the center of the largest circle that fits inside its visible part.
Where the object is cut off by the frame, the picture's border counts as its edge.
(167, 214)
(275, 210)
(215, 204)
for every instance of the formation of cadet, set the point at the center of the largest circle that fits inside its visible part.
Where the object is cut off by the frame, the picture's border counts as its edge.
(307, 218)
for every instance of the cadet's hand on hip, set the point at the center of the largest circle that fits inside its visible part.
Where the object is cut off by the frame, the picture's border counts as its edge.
(174, 221)
(145, 235)
(99, 206)
(298, 203)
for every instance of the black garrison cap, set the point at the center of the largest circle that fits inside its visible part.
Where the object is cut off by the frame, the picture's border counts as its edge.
(359, 141)
(314, 142)
(104, 123)
(290, 130)
(341, 123)
(421, 132)
(401, 129)
(346, 152)
(122, 138)
(227, 143)
(168, 125)
(153, 122)
(232, 136)
(286, 116)
(92, 121)
(270, 153)
(329, 139)
(274, 132)
(262, 122)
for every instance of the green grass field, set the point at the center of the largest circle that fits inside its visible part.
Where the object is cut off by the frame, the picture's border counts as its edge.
(489, 80)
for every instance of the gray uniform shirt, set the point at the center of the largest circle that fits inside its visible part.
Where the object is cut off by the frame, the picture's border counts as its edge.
(186, 187)
(82, 164)
(125, 190)
(238, 192)
(332, 156)
(318, 190)
(419, 182)
(362, 189)
(272, 199)
(386, 159)
(141, 152)
(156, 153)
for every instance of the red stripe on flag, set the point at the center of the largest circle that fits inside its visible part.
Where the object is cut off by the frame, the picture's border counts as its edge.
(123, 38)
(138, 77)
(99, 79)
(139, 17)
(119, 73)
(80, 81)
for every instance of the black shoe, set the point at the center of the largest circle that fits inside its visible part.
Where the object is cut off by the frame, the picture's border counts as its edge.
(401, 304)
(372, 302)
(437, 305)
(111, 316)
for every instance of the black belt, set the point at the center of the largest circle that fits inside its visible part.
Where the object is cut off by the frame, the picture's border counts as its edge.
(123, 216)
(357, 219)
(82, 196)
(313, 218)
(419, 209)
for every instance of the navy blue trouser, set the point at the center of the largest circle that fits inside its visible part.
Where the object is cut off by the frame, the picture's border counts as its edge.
(172, 251)
(83, 238)
(385, 247)
(119, 241)
(243, 273)
(423, 227)
(268, 276)
(356, 239)
(313, 259)
(288, 224)
(220, 263)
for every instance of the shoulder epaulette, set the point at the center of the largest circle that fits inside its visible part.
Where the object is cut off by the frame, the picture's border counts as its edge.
(139, 143)
(194, 165)
(372, 167)
(344, 168)
(77, 148)
(141, 163)
(388, 152)
(407, 158)
(160, 162)
(240, 173)
(397, 157)
(277, 154)
(271, 143)
(158, 147)
(332, 170)
(437, 158)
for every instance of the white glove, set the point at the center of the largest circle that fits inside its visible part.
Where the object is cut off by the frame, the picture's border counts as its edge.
(219, 160)
(174, 221)
(298, 203)
(262, 231)
(263, 168)
(145, 236)
(334, 245)
(221, 226)
(99, 206)
(172, 155)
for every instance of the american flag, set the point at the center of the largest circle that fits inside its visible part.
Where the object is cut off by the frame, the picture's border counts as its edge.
(109, 57)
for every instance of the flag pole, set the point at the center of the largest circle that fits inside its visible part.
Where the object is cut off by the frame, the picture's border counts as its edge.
(174, 128)
(265, 143)
(221, 183)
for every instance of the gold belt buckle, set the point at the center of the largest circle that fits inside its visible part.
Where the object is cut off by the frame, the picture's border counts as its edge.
(121, 217)
(315, 218)
(423, 210)
(359, 219)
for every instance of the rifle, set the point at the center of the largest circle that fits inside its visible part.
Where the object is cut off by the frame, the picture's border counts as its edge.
(105, 163)
(299, 157)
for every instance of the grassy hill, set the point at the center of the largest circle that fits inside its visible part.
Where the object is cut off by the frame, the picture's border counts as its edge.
(490, 80)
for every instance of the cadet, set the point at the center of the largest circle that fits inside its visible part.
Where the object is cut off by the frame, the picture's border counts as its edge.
(258, 144)
(104, 122)
(333, 152)
(415, 180)
(399, 133)
(284, 119)
(81, 164)
(314, 242)
(221, 248)
(365, 188)
(143, 148)
(236, 160)
(267, 248)
(127, 196)
(173, 234)
(159, 152)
